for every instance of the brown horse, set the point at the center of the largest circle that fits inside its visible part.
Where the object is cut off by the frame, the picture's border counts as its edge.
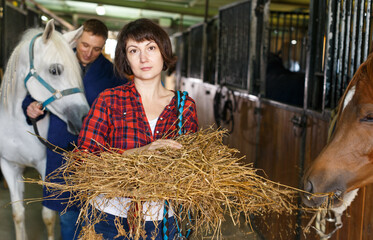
(346, 162)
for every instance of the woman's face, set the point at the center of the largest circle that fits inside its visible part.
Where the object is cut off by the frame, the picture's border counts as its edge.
(145, 59)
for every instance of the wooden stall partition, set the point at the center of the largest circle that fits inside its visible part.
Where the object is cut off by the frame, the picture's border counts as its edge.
(278, 156)
(367, 227)
(244, 134)
(316, 139)
(279, 145)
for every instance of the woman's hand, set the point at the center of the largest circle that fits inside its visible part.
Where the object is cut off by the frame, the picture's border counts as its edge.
(34, 110)
(161, 143)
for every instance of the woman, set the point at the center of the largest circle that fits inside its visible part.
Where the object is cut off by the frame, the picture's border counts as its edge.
(137, 116)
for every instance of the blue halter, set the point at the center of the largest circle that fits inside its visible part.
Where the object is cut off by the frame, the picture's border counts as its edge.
(56, 94)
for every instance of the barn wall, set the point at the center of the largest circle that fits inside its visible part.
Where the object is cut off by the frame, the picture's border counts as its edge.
(19, 20)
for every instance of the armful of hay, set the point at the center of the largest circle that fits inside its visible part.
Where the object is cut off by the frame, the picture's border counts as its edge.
(205, 177)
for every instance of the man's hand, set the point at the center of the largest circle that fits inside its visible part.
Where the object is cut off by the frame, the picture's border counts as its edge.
(34, 110)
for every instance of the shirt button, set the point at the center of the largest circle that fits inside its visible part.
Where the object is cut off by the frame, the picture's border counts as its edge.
(157, 131)
(168, 107)
(161, 118)
(124, 113)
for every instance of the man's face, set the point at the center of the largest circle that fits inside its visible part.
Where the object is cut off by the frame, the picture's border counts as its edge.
(89, 47)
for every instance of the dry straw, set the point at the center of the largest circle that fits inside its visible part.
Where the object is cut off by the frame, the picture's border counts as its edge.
(205, 180)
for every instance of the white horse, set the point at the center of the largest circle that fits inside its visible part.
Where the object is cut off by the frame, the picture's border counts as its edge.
(44, 65)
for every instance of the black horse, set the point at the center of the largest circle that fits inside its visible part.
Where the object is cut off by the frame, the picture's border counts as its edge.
(283, 85)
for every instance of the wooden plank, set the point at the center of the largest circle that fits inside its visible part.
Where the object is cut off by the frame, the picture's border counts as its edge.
(367, 228)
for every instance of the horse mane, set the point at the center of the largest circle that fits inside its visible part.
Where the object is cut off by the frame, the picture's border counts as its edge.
(57, 50)
(365, 71)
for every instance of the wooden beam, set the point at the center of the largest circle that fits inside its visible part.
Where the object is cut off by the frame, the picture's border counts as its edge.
(57, 18)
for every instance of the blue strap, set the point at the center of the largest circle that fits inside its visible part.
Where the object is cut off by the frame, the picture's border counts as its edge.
(181, 103)
(165, 221)
(178, 227)
(31, 50)
(57, 95)
(180, 107)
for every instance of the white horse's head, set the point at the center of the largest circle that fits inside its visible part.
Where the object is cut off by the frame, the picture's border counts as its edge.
(49, 69)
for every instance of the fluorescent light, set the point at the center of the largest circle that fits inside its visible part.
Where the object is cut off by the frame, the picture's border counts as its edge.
(100, 10)
(293, 42)
(44, 18)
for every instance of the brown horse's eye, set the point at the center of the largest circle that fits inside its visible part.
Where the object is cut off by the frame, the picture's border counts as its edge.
(367, 118)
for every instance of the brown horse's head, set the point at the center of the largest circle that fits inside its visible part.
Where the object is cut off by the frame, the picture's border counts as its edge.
(346, 163)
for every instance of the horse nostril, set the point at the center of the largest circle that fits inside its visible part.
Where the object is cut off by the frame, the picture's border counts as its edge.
(308, 187)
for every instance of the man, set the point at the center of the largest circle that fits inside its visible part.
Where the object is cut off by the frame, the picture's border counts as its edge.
(98, 75)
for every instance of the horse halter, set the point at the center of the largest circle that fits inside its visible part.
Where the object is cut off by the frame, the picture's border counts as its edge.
(56, 94)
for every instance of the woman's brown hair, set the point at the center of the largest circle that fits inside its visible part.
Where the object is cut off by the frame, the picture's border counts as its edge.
(141, 30)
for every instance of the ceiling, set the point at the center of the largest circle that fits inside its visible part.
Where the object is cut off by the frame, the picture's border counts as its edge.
(174, 15)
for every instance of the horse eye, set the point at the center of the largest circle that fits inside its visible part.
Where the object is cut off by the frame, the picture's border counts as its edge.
(367, 118)
(56, 69)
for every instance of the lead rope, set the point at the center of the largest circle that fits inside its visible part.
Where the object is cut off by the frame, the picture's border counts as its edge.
(180, 108)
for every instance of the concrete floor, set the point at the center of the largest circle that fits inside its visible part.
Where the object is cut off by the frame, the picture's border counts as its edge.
(34, 222)
(35, 226)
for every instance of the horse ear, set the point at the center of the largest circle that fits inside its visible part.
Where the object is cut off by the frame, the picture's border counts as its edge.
(49, 29)
(72, 36)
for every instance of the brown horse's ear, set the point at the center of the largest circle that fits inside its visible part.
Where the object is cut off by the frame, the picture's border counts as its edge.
(369, 66)
(49, 29)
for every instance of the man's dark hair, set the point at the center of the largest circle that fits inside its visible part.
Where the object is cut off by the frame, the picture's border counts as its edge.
(141, 30)
(96, 27)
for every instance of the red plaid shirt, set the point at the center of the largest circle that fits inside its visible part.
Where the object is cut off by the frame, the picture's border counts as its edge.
(117, 119)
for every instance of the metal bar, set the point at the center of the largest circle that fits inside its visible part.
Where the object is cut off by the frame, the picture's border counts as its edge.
(347, 52)
(328, 54)
(303, 61)
(353, 41)
(289, 44)
(341, 48)
(311, 52)
(297, 43)
(360, 33)
(367, 30)
(278, 31)
(283, 36)
(335, 56)
(206, 10)
(270, 34)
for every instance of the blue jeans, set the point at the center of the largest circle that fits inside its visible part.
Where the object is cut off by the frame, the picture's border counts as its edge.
(69, 228)
(108, 230)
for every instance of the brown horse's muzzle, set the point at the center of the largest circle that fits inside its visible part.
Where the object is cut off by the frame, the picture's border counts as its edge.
(322, 189)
